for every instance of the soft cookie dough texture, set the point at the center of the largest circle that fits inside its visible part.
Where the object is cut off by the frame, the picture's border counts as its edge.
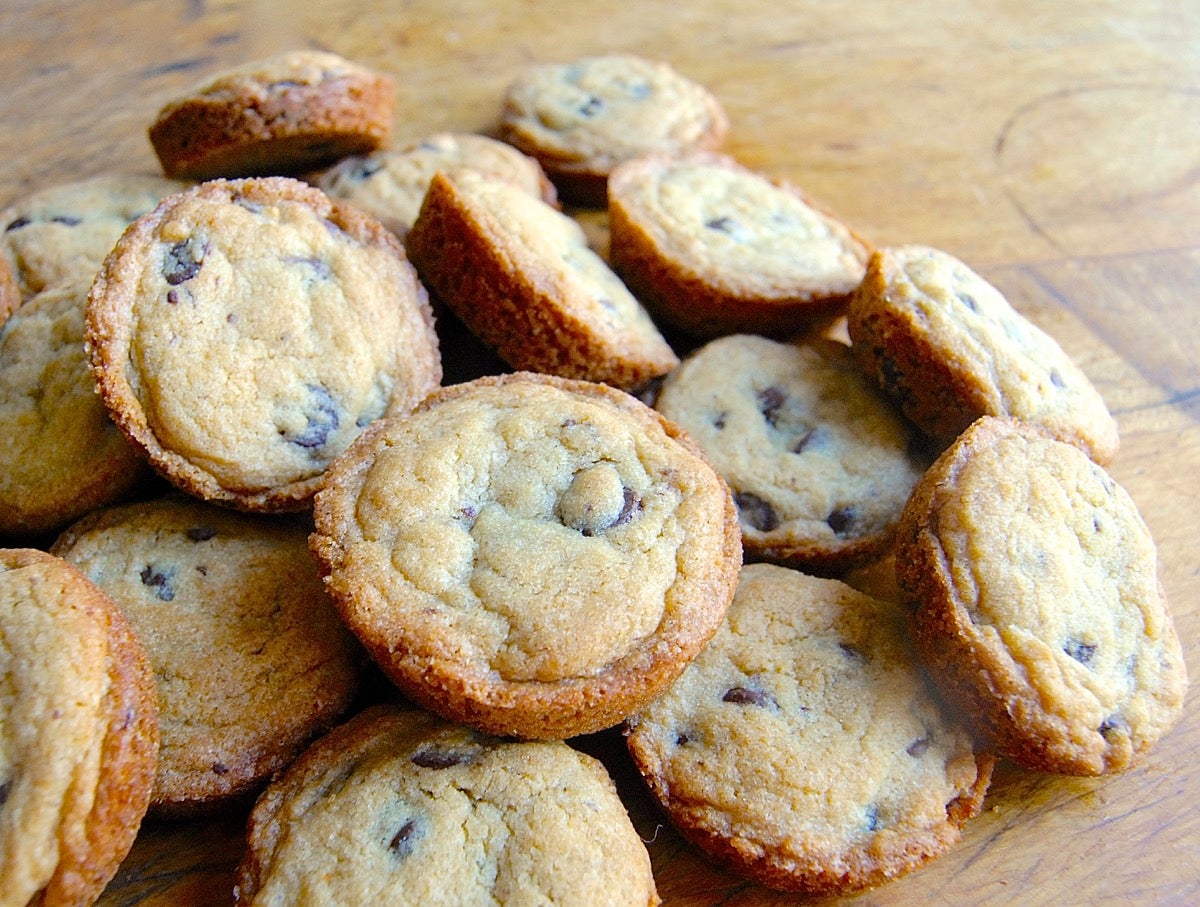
(398, 806)
(78, 733)
(245, 331)
(534, 556)
(802, 747)
(1036, 604)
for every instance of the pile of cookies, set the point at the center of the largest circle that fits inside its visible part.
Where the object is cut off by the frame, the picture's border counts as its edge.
(310, 407)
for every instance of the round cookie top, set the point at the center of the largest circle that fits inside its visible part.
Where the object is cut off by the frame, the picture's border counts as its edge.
(521, 275)
(819, 463)
(295, 111)
(245, 331)
(802, 749)
(534, 556)
(250, 657)
(712, 247)
(951, 348)
(62, 454)
(78, 733)
(583, 118)
(62, 232)
(1035, 601)
(400, 805)
(391, 183)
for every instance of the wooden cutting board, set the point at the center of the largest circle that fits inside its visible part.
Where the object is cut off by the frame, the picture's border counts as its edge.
(1054, 147)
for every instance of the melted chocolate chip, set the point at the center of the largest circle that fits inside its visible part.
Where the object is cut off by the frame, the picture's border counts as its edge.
(182, 261)
(682, 738)
(67, 220)
(968, 300)
(220, 768)
(404, 840)
(592, 106)
(160, 580)
(1081, 651)
(200, 533)
(431, 757)
(806, 440)
(770, 401)
(320, 269)
(723, 224)
(873, 822)
(5, 787)
(755, 512)
(18, 223)
(631, 506)
(849, 650)
(841, 520)
(918, 748)
(1056, 379)
(321, 420)
(750, 696)
(1113, 727)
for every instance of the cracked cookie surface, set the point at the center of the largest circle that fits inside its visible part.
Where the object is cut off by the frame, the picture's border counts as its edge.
(528, 554)
(245, 331)
(802, 748)
(249, 657)
(402, 806)
(819, 463)
(1032, 581)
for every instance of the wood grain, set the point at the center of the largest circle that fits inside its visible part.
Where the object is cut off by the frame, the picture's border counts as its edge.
(1055, 147)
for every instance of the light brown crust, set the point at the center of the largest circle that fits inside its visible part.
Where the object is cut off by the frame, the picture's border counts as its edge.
(281, 116)
(450, 680)
(949, 348)
(10, 293)
(414, 366)
(691, 278)
(91, 855)
(1019, 638)
(535, 309)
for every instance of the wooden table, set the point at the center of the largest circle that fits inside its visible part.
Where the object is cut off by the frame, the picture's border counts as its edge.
(1053, 146)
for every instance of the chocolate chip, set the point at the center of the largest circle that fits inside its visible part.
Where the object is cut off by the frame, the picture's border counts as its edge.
(841, 519)
(873, 822)
(5, 787)
(631, 506)
(321, 420)
(755, 512)
(200, 533)
(968, 300)
(404, 840)
(638, 90)
(17, 224)
(160, 580)
(890, 372)
(220, 768)
(320, 269)
(1056, 379)
(1113, 728)
(719, 420)
(182, 260)
(173, 296)
(431, 757)
(750, 696)
(849, 650)
(364, 168)
(682, 738)
(1081, 651)
(249, 204)
(770, 401)
(806, 440)
(723, 224)
(592, 106)
(918, 748)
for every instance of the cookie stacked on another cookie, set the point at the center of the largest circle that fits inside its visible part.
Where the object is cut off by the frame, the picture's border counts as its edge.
(1036, 605)
(245, 331)
(534, 556)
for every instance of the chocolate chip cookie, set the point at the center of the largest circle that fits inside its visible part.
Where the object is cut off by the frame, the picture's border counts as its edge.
(283, 115)
(400, 806)
(522, 276)
(1035, 602)
(78, 733)
(245, 331)
(534, 556)
(949, 348)
(582, 118)
(62, 455)
(60, 233)
(711, 247)
(250, 659)
(819, 461)
(390, 183)
(802, 747)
